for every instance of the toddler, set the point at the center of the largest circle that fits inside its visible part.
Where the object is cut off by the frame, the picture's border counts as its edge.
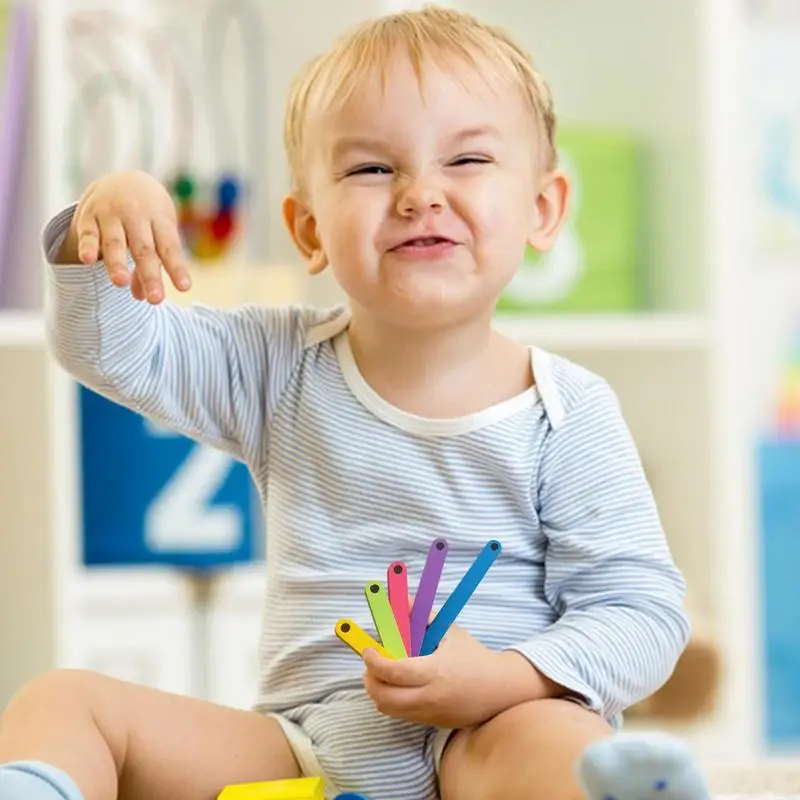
(422, 157)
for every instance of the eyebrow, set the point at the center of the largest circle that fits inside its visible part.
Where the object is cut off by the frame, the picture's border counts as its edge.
(478, 132)
(363, 143)
(348, 144)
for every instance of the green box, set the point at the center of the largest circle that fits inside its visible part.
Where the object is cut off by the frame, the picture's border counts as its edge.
(593, 266)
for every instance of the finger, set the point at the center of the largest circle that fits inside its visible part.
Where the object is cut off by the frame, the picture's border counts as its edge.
(454, 633)
(403, 672)
(88, 223)
(170, 250)
(88, 239)
(141, 243)
(137, 290)
(395, 701)
(113, 247)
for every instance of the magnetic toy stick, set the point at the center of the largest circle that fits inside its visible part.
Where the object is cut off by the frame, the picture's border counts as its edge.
(459, 597)
(358, 639)
(397, 583)
(426, 593)
(384, 620)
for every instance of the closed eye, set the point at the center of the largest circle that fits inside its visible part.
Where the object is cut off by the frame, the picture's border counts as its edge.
(462, 161)
(370, 169)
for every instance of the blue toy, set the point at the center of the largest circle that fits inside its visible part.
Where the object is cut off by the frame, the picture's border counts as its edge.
(458, 598)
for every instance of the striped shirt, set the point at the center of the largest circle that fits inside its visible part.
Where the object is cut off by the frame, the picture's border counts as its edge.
(585, 587)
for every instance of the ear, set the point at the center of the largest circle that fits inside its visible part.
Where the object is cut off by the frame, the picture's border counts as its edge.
(552, 206)
(302, 227)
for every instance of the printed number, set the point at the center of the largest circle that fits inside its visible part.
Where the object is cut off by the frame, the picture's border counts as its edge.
(182, 518)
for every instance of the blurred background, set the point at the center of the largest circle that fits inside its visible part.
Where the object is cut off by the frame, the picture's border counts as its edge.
(137, 553)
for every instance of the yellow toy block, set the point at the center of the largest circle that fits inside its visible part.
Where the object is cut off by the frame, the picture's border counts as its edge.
(296, 789)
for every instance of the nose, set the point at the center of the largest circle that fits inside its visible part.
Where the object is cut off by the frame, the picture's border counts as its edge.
(419, 197)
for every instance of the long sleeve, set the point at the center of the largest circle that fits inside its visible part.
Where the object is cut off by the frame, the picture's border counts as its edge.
(609, 573)
(213, 375)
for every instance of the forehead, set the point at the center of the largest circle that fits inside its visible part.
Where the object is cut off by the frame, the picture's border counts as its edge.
(439, 96)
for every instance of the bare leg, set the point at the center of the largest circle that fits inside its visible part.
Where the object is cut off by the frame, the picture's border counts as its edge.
(119, 740)
(526, 753)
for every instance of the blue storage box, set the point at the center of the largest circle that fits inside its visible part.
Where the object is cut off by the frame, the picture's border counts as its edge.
(153, 497)
(779, 463)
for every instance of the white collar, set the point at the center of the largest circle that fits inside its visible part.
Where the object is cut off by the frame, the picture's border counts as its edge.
(541, 361)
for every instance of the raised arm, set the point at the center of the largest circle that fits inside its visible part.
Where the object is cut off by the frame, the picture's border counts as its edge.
(211, 374)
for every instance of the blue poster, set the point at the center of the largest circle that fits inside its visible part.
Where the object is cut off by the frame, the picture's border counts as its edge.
(779, 462)
(151, 496)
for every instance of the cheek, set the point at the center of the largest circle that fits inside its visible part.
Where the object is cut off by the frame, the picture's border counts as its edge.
(500, 210)
(503, 232)
(501, 226)
(351, 220)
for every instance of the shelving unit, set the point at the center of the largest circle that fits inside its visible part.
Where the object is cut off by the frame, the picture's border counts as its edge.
(623, 332)
(668, 71)
(21, 328)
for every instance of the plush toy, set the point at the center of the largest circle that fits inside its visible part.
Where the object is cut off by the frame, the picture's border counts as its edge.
(644, 766)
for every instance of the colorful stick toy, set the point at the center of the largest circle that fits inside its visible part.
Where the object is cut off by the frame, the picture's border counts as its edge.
(358, 639)
(459, 598)
(397, 583)
(384, 620)
(406, 633)
(426, 593)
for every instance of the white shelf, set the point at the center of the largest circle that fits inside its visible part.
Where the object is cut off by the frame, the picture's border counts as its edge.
(575, 331)
(143, 584)
(21, 328)
(612, 332)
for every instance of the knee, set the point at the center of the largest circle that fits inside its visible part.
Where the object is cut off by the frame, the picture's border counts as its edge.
(55, 688)
(539, 730)
(529, 751)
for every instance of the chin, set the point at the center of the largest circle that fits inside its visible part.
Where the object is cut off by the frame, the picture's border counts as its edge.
(437, 309)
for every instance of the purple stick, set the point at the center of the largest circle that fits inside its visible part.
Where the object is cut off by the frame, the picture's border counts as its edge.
(13, 122)
(426, 593)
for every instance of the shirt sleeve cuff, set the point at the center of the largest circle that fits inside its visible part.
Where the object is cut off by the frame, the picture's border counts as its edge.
(547, 654)
(56, 231)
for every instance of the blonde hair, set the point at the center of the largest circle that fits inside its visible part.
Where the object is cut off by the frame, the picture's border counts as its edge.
(329, 80)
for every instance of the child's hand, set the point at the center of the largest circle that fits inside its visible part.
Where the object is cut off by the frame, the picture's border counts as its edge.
(462, 684)
(129, 211)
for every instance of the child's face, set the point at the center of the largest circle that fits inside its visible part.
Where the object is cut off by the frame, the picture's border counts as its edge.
(423, 201)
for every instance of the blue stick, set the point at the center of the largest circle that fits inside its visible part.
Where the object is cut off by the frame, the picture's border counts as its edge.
(459, 597)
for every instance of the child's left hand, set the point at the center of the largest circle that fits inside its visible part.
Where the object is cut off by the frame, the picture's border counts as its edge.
(462, 684)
